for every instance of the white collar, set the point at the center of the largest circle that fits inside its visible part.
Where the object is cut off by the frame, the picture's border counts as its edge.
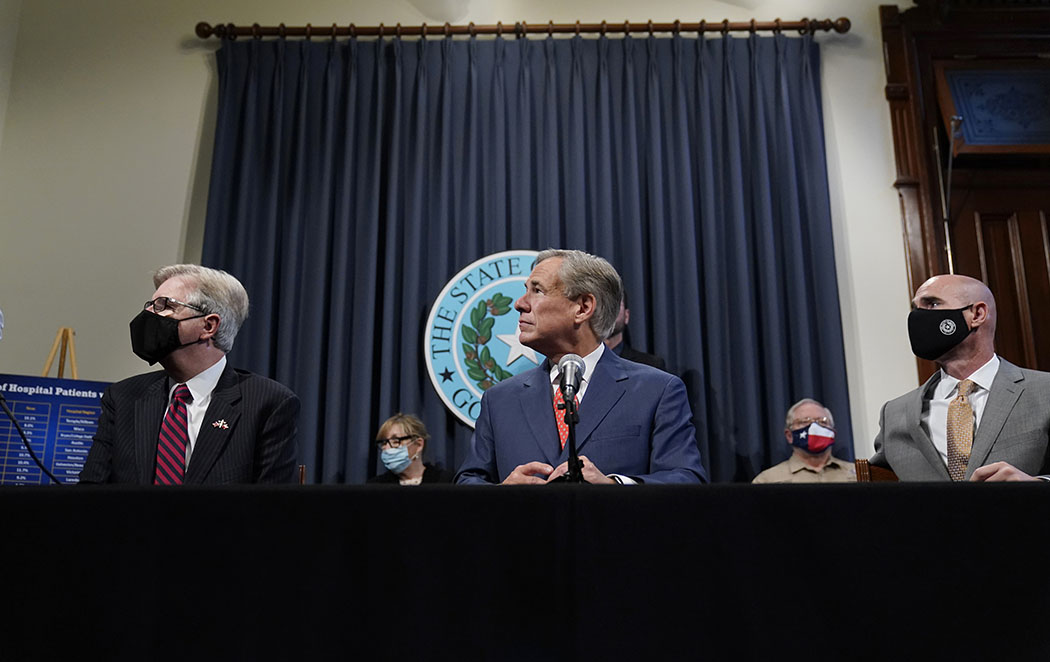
(983, 377)
(203, 383)
(590, 362)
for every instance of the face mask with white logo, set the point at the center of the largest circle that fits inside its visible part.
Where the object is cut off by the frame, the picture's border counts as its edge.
(935, 332)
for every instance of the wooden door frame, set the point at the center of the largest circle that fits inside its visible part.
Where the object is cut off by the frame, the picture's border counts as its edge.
(912, 41)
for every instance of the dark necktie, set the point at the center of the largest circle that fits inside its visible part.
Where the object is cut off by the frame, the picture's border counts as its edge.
(171, 445)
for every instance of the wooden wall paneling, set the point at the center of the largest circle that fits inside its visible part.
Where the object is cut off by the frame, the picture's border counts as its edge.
(1007, 245)
(1000, 236)
(912, 182)
(1041, 292)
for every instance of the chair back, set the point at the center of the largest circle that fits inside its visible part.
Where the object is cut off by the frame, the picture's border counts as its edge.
(869, 473)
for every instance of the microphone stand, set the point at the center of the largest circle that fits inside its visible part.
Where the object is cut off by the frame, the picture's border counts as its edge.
(575, 472)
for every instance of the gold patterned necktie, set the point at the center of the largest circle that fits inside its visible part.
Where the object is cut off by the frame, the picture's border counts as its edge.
(960, 431)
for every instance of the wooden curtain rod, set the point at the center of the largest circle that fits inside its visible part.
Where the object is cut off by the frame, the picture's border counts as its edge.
(231, 31)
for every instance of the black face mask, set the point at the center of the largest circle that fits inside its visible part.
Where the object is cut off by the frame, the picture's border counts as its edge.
(155, 336)
(935, 332)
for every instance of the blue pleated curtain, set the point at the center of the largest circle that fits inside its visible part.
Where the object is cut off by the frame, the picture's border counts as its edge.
(352, 179)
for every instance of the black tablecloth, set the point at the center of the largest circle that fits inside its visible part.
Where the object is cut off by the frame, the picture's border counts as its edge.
(875, 571)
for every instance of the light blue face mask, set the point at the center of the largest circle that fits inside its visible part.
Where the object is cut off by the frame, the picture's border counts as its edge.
(396, 459)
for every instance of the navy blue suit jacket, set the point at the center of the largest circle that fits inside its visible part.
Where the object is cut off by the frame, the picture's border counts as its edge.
(634, 421)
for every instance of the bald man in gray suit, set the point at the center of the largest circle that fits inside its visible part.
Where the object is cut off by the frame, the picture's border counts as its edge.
(953, 323)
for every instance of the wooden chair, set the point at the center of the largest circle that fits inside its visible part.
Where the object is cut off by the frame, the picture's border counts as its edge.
(868, 473)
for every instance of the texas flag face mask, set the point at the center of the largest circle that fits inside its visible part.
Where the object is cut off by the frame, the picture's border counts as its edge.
(813, 439)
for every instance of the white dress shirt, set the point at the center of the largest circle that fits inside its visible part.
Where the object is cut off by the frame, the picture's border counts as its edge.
(201, 387)
(935, 409)
(589, 361)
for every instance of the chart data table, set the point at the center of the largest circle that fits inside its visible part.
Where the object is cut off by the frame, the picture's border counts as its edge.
(59, 418)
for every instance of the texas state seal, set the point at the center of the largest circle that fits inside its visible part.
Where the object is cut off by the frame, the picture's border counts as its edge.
(471, 340)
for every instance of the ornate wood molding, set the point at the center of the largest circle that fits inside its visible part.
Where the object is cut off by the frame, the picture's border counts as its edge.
(915, 43)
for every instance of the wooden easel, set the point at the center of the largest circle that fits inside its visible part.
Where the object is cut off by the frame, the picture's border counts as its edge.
(65, 338)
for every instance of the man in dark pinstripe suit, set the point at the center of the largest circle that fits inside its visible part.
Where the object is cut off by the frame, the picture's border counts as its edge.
(239, 427)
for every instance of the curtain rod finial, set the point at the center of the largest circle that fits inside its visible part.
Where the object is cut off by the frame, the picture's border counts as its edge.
(842, 25)
(203, 30)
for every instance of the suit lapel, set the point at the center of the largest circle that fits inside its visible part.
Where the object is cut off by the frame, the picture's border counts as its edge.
(538, 397)
(604, 390)
(212, 439)
(149, 412)
(919, 436)
(1006, 389)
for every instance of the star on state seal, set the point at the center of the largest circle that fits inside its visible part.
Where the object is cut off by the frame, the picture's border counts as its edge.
(471, 340)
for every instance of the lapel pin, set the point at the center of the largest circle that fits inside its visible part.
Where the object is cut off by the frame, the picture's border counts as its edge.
(221, 424)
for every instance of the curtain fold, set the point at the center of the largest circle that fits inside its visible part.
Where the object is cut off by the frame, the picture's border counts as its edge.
(352, 179)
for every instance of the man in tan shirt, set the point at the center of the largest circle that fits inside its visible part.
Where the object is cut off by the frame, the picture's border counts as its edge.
(810, 431)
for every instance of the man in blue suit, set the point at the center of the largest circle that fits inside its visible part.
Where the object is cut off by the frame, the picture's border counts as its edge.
(634, 420)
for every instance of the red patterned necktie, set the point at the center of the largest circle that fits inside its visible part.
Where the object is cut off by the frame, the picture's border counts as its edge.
(171, 445)
(559, 415)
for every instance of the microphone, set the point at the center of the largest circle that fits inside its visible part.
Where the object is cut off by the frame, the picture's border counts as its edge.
(570, 369)
(570, 373)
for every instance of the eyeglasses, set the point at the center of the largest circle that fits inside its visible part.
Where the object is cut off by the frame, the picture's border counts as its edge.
(806, 422)
(393, 442)
(160, 304)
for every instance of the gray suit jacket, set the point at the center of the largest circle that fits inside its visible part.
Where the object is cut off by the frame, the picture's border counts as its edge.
(1015, 428)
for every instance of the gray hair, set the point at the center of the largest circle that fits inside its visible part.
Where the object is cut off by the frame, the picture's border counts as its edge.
(790, 418)
(216, 292)
(582, 273)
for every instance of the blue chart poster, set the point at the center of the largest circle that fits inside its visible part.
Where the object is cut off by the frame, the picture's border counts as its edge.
(59, 417)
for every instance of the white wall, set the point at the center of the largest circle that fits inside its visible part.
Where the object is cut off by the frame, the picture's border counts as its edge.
(107, 137)
(9, 11)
